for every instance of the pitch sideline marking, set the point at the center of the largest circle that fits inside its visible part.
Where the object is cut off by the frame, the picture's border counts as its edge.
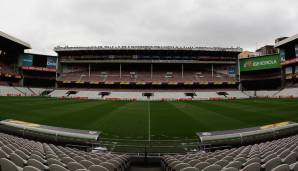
(149, 122)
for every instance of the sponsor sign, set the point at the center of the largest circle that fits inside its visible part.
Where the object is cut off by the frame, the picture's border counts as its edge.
(277, 125)
(289, 70)
(27, 60)
(232, 70)
(282, 55)
(260, 63)
(39, 69)
(296, 51)
(51, 62)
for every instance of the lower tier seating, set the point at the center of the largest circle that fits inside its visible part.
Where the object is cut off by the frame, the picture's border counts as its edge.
(277, 155)
(19, 154)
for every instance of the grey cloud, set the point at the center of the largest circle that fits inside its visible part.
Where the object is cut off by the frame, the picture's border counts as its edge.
(46, 24)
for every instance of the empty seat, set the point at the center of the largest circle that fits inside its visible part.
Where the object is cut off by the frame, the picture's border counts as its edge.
(189, 169)
(7, 165)
(54, 161)
(252, 167)
(294, 167)
(234, 164)
(67, 160)
(108, 166)
(19, 161)
(73, 166)
(202, 165)
(38, 158)
(283, 167)
(31, 168)
(55, 167)
(181, 166)
(37, 164)
(290, 158)
(269, 165)
(3, 154)
(213, 167)
(86, 163)
(229, 169)
(97, 168)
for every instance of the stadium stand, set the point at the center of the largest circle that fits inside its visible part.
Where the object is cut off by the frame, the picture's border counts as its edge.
(20, 91)
(18, 154)
(288, 93)
(156, 95)
(271, 155)
(58, 93)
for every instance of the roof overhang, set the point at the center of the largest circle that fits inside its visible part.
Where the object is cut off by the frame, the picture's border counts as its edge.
(17, 41)
(151, 48)
(286, 41)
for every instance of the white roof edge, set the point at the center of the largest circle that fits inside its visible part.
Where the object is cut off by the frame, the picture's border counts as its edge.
(68, 48)
(287, 40)
(27, 45)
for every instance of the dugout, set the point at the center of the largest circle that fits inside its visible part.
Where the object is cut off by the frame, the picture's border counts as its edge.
(49, 133)
(248, 135)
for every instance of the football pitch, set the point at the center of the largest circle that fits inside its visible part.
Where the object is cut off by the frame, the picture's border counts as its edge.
(149, 120)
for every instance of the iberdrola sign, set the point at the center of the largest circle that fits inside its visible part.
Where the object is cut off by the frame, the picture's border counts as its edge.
(260, 63)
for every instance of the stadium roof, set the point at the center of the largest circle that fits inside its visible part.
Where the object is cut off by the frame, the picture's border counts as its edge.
(8, 40)
(286, 41)
(91, 48)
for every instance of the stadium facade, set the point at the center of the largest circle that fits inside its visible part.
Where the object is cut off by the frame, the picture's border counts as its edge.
(289, 58)
(147, 67)
(18, 68)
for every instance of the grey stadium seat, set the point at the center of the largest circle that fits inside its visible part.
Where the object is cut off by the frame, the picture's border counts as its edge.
(290, 158)
(57, 162)
(55, 167)
(202, 165)
(294, 166)
(229, 169)
(37, 164)
(73, 166)
(8, 165)
(189, 169)
(181, 166)
(86, 163)
(31, 168)
(97, 168)
(213, 167)
(252, 167)
(3, 154)
(19, 161)
(234, 164)
(283, 167)
(269, 165)
(108, 166)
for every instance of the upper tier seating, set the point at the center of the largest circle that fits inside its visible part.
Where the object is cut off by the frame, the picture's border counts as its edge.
(143, 76)
(5, 69)
(18, 154)
(277, 155)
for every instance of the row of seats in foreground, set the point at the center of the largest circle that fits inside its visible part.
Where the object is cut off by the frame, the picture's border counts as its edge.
(277, 155)
(18, 154)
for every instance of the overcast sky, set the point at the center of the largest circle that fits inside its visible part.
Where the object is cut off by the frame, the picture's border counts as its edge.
(245, 23)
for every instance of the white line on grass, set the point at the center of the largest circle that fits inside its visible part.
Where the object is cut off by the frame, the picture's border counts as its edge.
(149, 122)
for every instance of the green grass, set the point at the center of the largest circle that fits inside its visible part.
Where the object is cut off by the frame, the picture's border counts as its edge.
(129, 120)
